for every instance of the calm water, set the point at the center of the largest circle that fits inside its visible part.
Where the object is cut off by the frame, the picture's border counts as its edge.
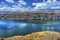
(11, 28)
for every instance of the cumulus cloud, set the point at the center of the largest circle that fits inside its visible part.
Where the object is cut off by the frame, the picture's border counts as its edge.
(22, 2)
(47, 5)
(15, 8)
(57, 7)
(20, 7)
(1, 5)
(10, 1)
(39, 5)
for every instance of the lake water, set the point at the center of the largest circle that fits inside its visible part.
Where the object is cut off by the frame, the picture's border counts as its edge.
(11, 28)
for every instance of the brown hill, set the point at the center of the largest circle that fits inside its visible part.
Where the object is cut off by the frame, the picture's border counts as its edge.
(37, 36)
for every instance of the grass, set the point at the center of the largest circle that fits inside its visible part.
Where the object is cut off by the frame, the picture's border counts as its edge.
(41, 35)
(30, 39)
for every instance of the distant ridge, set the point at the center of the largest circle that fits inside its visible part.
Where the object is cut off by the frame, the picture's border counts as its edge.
(35, 11)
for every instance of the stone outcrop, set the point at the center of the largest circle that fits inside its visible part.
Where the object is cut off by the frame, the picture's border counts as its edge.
(31, 15)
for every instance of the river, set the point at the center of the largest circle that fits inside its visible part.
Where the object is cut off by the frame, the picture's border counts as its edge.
(12, 28)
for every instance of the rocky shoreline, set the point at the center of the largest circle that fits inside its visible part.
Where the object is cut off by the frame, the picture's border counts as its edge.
(45, 35)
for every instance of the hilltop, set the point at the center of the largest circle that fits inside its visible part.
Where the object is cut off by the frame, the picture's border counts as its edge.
(47, 35)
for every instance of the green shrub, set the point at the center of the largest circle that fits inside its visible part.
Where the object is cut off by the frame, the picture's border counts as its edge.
(30, 39)
(41, 35)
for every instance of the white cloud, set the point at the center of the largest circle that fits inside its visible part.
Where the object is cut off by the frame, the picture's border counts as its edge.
(15, 8)
(47, 5)
(21, 9)
(57, 7)
(39, 5)
(22, 2)
(10, 1)
(20, 6)
(1, 5)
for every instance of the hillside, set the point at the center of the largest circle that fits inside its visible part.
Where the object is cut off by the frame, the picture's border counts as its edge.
(37, 36)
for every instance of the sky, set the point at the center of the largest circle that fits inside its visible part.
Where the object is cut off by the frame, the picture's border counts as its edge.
(28, 5)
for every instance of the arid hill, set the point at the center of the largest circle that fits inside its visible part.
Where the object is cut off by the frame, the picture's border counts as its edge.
(47, 35)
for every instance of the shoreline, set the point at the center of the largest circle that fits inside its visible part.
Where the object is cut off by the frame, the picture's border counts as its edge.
(36, 36)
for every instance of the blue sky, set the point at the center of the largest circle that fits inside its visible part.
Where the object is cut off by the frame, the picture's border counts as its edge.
(28, 5)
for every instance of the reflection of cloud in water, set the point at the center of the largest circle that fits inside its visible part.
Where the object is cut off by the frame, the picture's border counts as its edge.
(7, 25)
(22, 25)
(2, 22)
(11, 24)
(52, 23)
(34, 26)
(11, 28)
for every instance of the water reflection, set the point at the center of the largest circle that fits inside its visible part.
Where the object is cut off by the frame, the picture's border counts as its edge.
(9, 28)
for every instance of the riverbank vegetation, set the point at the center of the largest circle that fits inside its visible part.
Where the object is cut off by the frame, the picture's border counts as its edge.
(40, 21)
